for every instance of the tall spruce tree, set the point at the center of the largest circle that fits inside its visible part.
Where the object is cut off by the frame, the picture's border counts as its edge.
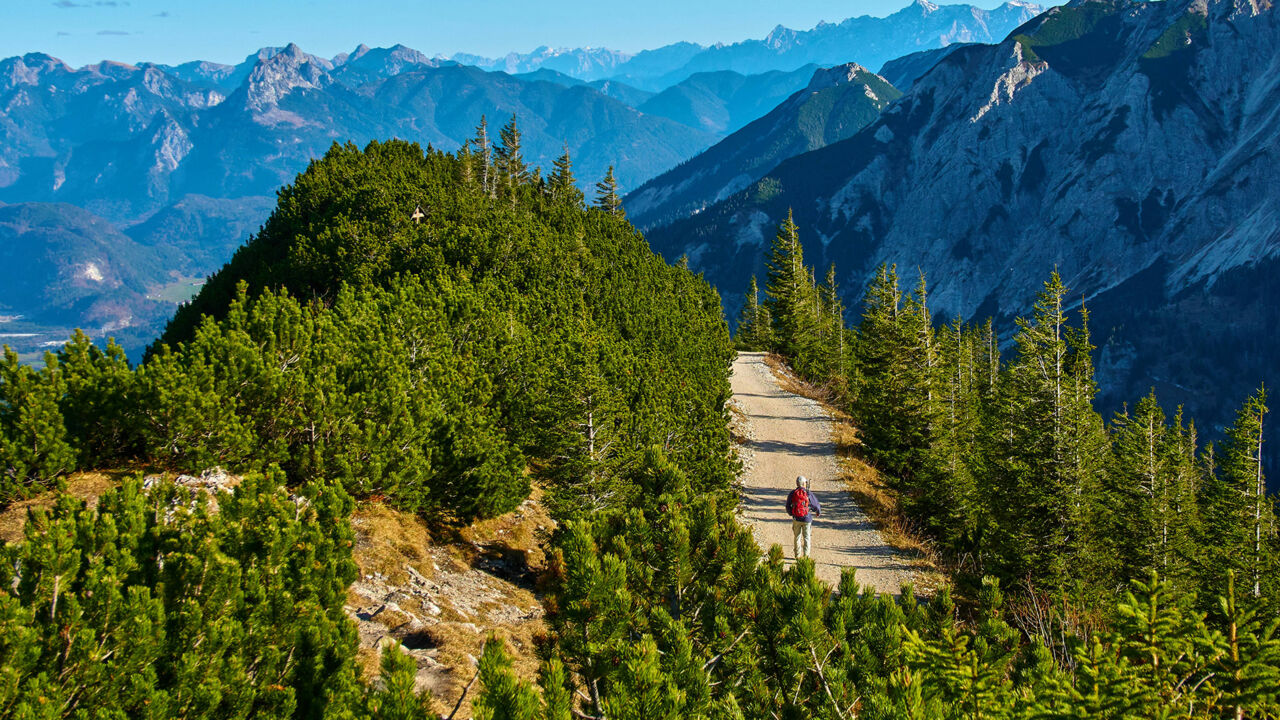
(510, 157)
(484, 156)
(561, 183)
(1045, 447)
(755, 324)
(607, 196)
(789, 294)
(1239, 518)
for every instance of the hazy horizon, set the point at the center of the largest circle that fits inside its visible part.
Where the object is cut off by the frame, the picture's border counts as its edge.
(83, 32)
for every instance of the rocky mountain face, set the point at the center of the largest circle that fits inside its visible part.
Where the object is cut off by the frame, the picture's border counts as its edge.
(1134, 146)
(836, 103)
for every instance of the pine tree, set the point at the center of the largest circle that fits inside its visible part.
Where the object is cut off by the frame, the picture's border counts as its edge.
(789, 295)
(561, 183)
(895, 402)
(607, 197)
(834, 352)
(949, 504)
(502, 696)
(754, 322)
(1248, 658)
(1149, 508)
(510, 158)
(99, 404)
(35, 448)
(484, 155)
(1045, 444)
(1239, 521)
(398, 699)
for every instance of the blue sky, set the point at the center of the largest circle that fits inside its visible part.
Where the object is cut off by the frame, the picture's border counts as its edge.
(173, 31)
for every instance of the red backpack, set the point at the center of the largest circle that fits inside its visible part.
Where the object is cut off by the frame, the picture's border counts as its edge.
(798, 503)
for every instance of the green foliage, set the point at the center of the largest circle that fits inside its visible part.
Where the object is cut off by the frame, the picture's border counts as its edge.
(789, 294)
(607, 196)
(1007, 465)
(666, 610)
(755, 324)
(35, 448)
(443, 362)
(397, 699)
(503, 696)
(163, 605)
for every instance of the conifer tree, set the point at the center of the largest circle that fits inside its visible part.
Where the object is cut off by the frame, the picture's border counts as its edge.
(510, 158)
(1045, 445)
(466, 166)
(1247, 662)
(502, 695)
(561, 183)
(607, 197)
(1239, 522)
(895, 402)
(754, 322)
(484, 155)
(99, 405)
(789, 294)
(398, 698)
(835, 349)
(948, 501)
(35, 449)
(1149, 509)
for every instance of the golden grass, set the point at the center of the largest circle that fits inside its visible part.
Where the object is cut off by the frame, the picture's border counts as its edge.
(87, 486)
(522, 532)
(389, 541)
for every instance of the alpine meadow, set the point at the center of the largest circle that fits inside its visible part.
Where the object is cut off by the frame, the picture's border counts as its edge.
(447, 438)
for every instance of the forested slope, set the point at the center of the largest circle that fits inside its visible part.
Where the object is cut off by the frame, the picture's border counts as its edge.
(512, 335)
(438, 361)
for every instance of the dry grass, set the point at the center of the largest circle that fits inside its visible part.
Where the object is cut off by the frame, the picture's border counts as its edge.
(87, 486)
(875, 497)
(521, 533)
(473, 583)
(388, 541)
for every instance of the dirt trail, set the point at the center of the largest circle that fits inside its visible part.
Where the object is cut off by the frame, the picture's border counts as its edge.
(789, 436)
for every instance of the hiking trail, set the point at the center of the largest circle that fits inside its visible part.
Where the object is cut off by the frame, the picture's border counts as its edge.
(790, 435)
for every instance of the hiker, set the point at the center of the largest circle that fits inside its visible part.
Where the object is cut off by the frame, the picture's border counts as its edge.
(803, 507)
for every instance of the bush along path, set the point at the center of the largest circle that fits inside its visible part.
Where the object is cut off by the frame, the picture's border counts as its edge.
(789, 435)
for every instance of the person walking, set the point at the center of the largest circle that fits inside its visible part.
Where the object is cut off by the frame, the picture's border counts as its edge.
(803, 507)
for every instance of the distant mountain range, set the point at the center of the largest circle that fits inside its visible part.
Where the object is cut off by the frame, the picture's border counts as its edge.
(1134, 146)
(183, 160)
(869, 41)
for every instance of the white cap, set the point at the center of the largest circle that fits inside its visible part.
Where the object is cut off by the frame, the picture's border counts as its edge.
(802, 481)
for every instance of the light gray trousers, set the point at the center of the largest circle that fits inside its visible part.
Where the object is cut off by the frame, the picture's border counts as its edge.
(804, 534)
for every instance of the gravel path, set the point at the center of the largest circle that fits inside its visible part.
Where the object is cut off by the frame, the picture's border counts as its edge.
(789, 435)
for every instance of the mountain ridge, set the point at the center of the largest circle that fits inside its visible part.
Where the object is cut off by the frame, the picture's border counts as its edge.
(1130, 144)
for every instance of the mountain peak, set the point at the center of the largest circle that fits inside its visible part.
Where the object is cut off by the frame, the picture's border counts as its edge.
(925, 5)
(274, 77)
(780, 38)
(26, 70)
(838, 75)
